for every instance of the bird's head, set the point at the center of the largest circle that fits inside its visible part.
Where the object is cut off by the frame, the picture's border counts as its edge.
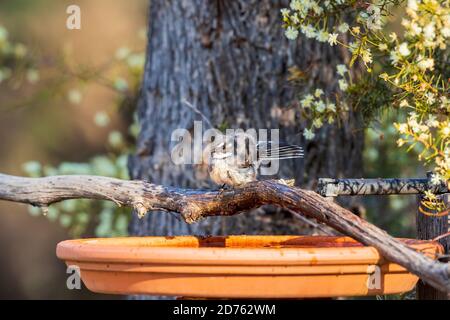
(222, 150)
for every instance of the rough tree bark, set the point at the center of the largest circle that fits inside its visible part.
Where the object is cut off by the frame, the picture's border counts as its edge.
(432, 227)
(230, 59)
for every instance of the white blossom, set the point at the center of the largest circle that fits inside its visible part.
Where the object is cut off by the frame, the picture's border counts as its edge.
(318, 123)
(412, 4)
(122, 53)
(307, 101)
(429, 32)
(402, 128)
(308, 134)
(343, 85)
(331, 107)
(374, 18)
(121, 84)
(318, 93)
(343, 27)
(296, 5)
(403, 49)
(101, 119)
(75, 96)
(291, 33)
(393, 36)
(322, 36)
(309, 31)
(285, 12)
(404, 103)
(394, 57)
(320, 106)
(341, 69)
(366, 56)
(400, 142)
(382, 47)
(425, 64)
(436, 179)
(332, 39)
(432, 121)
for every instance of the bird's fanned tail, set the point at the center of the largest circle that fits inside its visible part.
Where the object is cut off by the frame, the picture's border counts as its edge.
(270, 151)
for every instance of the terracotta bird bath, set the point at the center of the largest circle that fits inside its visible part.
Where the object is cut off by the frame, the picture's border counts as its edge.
(238, 266)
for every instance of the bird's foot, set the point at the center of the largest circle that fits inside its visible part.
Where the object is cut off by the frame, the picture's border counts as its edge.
(287, 182)
(223, 189)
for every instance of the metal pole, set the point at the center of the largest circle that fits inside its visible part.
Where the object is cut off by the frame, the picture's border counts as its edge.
(352, 187)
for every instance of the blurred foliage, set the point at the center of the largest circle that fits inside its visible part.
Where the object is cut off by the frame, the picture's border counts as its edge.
(69, 80)
(77, 215)
(413, 63)
(383, 159)
(16, 63)
(19, 6)
(370, 97)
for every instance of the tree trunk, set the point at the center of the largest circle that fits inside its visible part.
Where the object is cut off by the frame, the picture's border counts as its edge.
(230, 60)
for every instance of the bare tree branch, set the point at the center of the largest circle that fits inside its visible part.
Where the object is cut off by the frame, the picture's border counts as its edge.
(196, 204)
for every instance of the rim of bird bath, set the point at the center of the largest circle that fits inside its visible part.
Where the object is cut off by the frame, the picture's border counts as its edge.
(239, 266)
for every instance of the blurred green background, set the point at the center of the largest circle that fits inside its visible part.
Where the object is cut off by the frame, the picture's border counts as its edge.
(37, 122)
(61, 118)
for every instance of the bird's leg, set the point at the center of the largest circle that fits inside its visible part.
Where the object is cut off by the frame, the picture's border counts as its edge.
(222, 189)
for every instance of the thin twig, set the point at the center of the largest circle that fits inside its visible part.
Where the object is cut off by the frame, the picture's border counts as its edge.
(191, 106)
(442, 236)
(311, 223)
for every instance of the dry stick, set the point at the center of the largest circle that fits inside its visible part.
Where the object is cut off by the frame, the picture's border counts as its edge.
(196, 204)
(317, 226)
(442, 236)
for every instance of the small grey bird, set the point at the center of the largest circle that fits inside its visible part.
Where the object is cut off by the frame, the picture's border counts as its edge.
(235, 160)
